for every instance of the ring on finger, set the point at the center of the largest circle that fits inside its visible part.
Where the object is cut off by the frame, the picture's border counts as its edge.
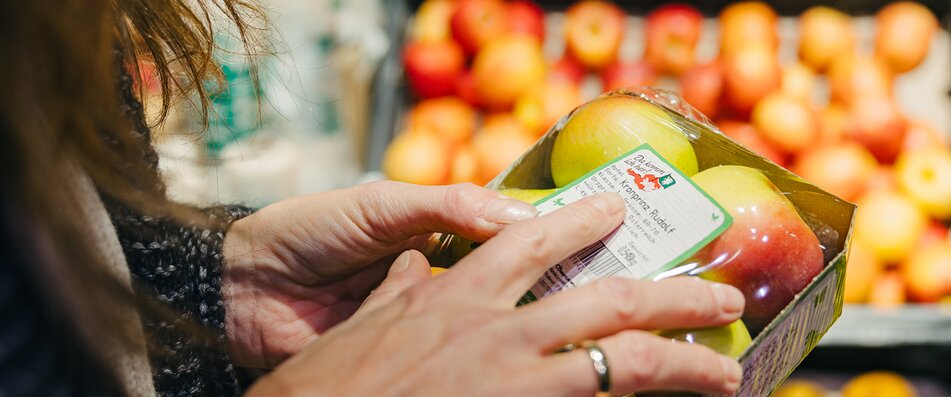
(599, 361)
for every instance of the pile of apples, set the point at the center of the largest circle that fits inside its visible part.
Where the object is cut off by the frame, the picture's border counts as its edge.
(871, 383)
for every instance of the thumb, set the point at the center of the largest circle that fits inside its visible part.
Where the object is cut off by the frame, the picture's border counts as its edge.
(410, 268)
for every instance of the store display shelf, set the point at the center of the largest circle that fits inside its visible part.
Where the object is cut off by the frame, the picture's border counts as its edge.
(866, 326)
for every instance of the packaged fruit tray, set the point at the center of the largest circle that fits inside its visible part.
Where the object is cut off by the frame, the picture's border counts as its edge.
(698, 204)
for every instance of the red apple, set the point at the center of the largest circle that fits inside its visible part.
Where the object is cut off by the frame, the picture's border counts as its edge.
(748, 23)
(769, 253)
(627, 75)
(526, 17)
(877, 124)
(750, 73)
(568, 69)
(432, 68)
(745, 134)
(672, 34)
(465, 88)
(826, 34)
(905, 30)
(593, 32)
(787, 122)
(702, 87)
(842, 169)
(506, 68)
(476, 22)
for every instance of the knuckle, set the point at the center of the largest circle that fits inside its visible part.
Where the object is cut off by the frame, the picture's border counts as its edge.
(530, 241)
(644, 358)
(585, 218)
(622, 295)
(459, 196)
(417, 299)
(702, 303)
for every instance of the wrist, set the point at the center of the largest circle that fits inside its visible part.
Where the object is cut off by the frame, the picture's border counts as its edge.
(239, 297)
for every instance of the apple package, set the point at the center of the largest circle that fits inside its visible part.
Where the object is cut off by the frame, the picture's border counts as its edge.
(698, 204)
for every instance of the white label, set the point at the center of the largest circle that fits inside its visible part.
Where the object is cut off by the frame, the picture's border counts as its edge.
(668, 219)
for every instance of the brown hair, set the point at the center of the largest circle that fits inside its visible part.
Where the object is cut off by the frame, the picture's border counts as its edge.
(60, 104)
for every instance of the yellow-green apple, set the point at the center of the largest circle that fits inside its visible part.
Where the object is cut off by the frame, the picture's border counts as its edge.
(748, 23)
(921, 135)
(787, 122)
(627, 75)
(540, 107)
(418, 157)
(860, 274)
(702, 87)
(526, 17)
(672, 33)
(566, 68)
(749, 74)
(904, 34)
(853, 77)
(745, 134)
(449, 117)
(731, 339)
(825, 34)
(925, 175)
(927, 273)
(474, 23)
(799, 81)
(593, 32)
(610, 126)
(498, 143)
(888, 291)
(505, 68)
(842, 169)
(889, 223)
(877, 124)
(432, 67)
(431, 21)
(768, 253)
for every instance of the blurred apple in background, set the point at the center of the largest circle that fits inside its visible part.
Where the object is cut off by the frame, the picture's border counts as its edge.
(465, 165)
(506, 68)
(920, 134)
(475, 23)
(769, 253)
(841, 169)
(879, 383)
(935, 233)
(750, 73)
(786, 122)
(745, 134)
(593, 32)
(877, 124)
(418, 157)
(449, 117)
(800, 388)
(702, 87)
(748, 23)
(799, 81)
(567, 68)
(889, 223)
(466, 88)
(541, 106)
(672, 33)
(498, 143)
(432, 67)
(526, 17)
(629, 74)
(610, 126)
(882, 179)
(905, 30)
(861, 273)
(431, 21)
(925, 175)
(832, 121)
(927, 273)
(888, 291)
(853, 77)
(825, 33)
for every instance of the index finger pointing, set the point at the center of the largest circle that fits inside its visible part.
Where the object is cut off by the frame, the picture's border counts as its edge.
(502, 269)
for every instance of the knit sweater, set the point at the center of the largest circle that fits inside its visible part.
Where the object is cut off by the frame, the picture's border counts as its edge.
(177, 265)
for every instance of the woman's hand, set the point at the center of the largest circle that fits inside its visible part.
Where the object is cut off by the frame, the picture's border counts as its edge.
(459, 333)
(300, 266)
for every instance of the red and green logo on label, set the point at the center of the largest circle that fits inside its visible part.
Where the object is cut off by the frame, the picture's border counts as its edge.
(649, 182)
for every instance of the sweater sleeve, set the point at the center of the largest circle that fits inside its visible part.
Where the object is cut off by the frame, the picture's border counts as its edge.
(181, 268)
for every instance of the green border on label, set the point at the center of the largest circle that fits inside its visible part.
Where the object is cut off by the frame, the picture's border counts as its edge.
(727, 218)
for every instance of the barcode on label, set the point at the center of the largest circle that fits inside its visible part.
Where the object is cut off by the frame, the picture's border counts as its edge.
(594, 262)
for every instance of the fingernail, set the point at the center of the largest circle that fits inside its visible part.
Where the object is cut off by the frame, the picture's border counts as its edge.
(505, 211)
(732, 372)
(730, 299)
(610, 203)
(402, 262)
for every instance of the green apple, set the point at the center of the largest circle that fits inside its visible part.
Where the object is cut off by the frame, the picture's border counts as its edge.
(460, 247)
(610, 126)
(769, 253)
(730, 340)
